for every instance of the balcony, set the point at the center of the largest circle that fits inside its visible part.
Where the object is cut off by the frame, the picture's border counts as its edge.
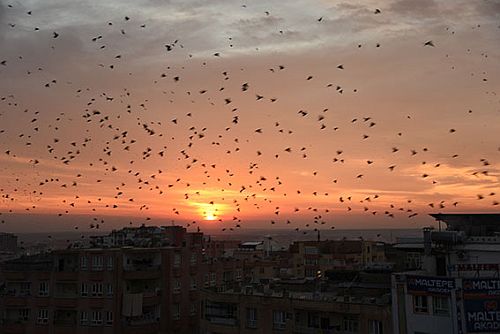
(66, 276)
(143, 328)
(279, 326)
(66, 302)
(12, 328)
(151, 299)
(134, 275)
(311, 330)
(142, 262)
(222, 321)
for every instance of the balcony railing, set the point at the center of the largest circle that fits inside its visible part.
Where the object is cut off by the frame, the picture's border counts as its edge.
(222, 321)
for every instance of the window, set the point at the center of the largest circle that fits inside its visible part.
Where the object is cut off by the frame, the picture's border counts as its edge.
(193, 259)
(43, 290)
(375, 327)
(96, 289)
(310, 272)
(109, 289)
(25, 289)
(109, 318)
(84, 289)
(193, 283)
(24, 314)
(279, 320)
(84, 318)
(252, 317)
(110, 263)
(414, 260)
(96, 318)
(213, 279)
(441, 306)
(239, 274)
(221, 312)
(97, 262)
(313, 319)
(310, 262)
(350, 325)
(43, 316)
(176, 311)
(177, 286)
(83, 262)
(206, 281)
(177, 260)
(192, 310)
(420, 304)
(311, 250)
(227, 276)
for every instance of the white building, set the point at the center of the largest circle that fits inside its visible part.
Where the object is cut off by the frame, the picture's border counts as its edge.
(458, 288)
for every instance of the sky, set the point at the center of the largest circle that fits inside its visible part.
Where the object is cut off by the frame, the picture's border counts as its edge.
(234, 114)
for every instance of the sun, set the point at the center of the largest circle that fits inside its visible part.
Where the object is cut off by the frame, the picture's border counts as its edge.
(210, 210)
(210, 216)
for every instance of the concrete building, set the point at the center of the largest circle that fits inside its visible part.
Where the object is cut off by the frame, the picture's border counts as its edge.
(266, 309)
(313, 257)
(112, 290)
(8, 243)
(457, 289)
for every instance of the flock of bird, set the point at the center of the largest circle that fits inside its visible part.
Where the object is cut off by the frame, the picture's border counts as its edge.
(159, 157)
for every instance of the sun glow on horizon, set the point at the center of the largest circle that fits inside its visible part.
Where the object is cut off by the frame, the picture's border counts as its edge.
(209, 211)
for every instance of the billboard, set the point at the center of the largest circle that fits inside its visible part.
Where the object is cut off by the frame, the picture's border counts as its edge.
(482, 305)
(430, 285)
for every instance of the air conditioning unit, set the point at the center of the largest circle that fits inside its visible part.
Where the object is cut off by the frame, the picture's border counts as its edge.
(462, 255)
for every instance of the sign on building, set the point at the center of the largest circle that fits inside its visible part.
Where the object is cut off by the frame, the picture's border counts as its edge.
(482, 305)
(430, 285)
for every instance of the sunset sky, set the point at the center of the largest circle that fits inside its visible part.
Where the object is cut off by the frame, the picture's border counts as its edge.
(233, 114)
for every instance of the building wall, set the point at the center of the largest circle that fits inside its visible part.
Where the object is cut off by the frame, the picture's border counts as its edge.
(8, 243)
(299, 316)
(165, 282)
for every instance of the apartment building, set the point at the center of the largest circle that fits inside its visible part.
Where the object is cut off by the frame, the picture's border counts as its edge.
(268, 310)
(311, 258)
(457, 289)
(112, 290)
(8, 242)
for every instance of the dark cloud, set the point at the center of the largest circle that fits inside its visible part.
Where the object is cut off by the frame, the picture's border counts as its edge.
(488, 7)
(3, 21)
(415, 8)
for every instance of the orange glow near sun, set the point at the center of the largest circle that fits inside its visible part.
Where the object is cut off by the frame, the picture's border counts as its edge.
(209, 212)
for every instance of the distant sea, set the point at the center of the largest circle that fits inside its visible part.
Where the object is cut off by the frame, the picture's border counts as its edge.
(280, 236)
(385, 235)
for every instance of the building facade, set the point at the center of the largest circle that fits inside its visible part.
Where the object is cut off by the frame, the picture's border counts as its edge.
(311, 258)
(458, 288)
(112, 290)
(268, 311)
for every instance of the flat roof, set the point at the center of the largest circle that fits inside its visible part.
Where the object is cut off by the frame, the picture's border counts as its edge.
(468, 218)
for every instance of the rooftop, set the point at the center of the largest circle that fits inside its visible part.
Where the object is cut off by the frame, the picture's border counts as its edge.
(473, 224)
